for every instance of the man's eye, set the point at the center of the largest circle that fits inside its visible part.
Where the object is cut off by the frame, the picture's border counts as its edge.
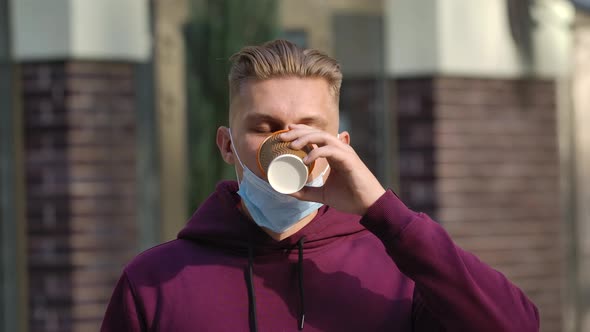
(262, 129)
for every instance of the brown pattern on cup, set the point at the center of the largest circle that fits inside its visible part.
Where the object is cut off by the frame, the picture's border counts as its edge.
(273, 147)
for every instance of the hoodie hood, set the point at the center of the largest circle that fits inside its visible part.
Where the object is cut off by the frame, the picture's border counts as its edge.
(220, 223)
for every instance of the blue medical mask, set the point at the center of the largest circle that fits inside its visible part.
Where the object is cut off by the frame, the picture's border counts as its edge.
(269, 208)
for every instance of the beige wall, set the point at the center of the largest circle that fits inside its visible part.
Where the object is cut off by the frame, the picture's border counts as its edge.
(52, 29)
(430, 36)
(315, 17)
(473, 39)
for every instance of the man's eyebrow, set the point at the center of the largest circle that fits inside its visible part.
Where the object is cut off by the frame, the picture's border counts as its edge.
(260, 117)
(315, 120)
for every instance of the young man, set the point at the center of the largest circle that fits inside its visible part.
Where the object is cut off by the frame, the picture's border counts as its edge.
(342, 255)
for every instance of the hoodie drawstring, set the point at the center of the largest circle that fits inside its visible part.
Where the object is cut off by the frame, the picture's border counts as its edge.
(301, 289)
(252, 295)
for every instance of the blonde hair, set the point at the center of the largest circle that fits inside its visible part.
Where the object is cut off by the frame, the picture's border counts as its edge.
(282, 58)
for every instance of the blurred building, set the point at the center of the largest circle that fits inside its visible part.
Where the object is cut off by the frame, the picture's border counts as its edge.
(475, 111)
(474, 101)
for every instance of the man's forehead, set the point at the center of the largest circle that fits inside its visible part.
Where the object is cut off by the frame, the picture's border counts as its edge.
(253, 100)
(248, 88)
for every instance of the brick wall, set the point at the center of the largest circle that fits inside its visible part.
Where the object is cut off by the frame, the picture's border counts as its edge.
(358, 104)
(481, 156)
(80, 178)
(415, 114)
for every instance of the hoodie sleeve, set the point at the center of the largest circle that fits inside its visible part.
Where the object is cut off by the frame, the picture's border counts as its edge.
(453, 288)
(121, 314)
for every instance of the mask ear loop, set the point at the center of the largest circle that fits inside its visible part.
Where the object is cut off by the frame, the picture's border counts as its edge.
(328, 167)
(320, 176)
(236, 153)
(323, 173)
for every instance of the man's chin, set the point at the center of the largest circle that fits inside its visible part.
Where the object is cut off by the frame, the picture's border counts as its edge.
(292, 230)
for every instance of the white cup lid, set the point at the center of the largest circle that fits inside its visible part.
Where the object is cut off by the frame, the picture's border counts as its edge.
(287, 173)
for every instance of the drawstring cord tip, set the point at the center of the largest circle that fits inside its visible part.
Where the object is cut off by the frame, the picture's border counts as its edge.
(301, 288)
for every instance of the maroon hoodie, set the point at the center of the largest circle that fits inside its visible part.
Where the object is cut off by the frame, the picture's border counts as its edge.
(391, 270)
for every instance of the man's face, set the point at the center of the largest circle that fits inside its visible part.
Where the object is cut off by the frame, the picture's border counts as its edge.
(264, 106)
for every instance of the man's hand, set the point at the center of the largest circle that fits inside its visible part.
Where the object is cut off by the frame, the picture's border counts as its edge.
(351, 187)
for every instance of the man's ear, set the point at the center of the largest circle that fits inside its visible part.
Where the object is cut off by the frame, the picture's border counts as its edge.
(223, 141)
(344, 137)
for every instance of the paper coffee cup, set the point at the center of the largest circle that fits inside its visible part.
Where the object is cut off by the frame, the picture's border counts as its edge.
(283, 166)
